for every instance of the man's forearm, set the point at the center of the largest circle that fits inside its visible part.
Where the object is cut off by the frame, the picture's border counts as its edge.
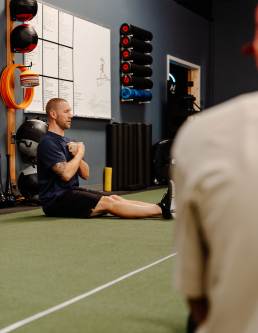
(84, 170)
(71, 168)
(66, 170)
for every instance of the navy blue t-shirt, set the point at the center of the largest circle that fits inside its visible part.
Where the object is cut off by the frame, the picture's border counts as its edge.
(53, 149)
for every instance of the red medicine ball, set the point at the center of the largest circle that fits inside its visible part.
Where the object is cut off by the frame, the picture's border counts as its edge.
(23, 10)
(24, 38)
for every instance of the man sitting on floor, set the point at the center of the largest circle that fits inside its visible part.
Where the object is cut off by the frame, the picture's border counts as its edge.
(60, 162)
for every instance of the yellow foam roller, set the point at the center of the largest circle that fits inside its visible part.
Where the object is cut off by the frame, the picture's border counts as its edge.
(107, 179)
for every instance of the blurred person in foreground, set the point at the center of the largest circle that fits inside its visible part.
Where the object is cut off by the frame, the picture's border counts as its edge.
(216, 176)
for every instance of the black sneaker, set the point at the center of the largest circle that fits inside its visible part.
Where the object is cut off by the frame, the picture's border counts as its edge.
(165, 203)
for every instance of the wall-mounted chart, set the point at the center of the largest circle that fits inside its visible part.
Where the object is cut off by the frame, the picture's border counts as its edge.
(92, 75)
(73, 60)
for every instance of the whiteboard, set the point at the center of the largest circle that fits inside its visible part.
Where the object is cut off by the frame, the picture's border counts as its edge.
(65, 29)
(50, 23)
(50, 59)
(91, 70)
(75, 63)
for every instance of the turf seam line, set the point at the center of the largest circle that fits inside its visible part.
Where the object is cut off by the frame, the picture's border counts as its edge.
(78, 298)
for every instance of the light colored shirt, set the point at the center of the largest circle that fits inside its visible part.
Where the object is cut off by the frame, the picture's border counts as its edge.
(216, 178)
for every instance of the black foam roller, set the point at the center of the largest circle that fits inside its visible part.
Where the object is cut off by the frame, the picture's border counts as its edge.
(140, 153)
(112, 136)
(129, 29)
(136, 44)
(120, 161)
(147, 147)
(138, 70)
(125, 131)
(137, 57)
(136, 82)
(132, 165)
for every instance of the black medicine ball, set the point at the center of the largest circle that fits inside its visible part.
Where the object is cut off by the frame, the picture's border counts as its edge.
(28, 137)
(23, 10)
(24, 38)
(28, 182)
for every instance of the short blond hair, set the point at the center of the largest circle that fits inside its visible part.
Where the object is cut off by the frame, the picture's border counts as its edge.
(53, 103)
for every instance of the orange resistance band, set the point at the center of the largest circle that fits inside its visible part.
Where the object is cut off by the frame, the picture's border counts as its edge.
(7, 88)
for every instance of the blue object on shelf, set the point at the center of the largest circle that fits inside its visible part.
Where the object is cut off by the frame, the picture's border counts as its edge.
(136, 94)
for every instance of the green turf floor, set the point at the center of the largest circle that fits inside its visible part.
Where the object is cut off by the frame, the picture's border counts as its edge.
(46, 261)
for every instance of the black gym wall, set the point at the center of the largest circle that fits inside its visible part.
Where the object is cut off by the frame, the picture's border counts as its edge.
(177, 31)
(234, 25)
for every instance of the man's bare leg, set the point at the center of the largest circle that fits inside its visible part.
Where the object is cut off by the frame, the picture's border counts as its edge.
(126, 208)
(140, 203)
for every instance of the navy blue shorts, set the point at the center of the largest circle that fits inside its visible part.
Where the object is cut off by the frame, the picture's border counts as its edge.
(78, 202)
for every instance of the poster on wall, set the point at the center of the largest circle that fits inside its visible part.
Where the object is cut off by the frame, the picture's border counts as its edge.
(66, 91)
(65, 29)
(65, 63)
(50, 59)
(50, 89)
(50, 24)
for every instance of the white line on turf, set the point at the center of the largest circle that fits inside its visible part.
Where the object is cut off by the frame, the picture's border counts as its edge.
(58, 307)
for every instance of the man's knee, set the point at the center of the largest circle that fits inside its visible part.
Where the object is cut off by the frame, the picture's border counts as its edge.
(115, 197)
(103, 206)
(105, 203)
